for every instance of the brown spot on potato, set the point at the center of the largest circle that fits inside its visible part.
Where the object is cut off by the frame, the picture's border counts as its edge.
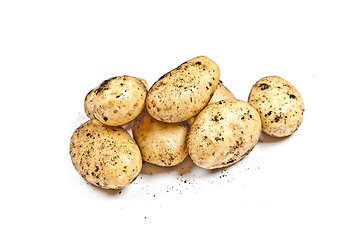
(264, 86)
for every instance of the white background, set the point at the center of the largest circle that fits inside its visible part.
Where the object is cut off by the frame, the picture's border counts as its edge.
(302, 187)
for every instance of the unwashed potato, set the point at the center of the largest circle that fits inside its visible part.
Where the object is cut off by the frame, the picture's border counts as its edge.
(183, 92)
(160, 143)
(105, 156)
(119, 100)
(223, 133)
(89, 99)
(144, 82)
(221, 93)
(279, 104)
(88, 104)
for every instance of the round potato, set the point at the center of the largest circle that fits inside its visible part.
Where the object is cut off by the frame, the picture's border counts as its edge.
(223, 134)
(221, 93)
(105, 156)
(119, 100)
(88, 104)
(183, 92)
(279, 104)
(160, 143)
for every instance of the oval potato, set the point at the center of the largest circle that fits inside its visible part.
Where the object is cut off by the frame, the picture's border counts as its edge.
(119, 100)
(163, 144)
(105, 156)
(279, 104)
(221, 93)
(183, 92)
(89, 99)
(223, 133)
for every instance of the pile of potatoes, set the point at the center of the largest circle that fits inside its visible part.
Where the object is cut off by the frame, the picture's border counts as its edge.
(188, 111)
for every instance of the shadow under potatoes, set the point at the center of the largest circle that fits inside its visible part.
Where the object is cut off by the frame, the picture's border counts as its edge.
(266, 138)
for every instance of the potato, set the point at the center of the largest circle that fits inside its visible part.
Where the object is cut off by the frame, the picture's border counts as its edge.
(279, 104)
(144, 82)
(223, 133)
(160, 143)
(183, 92)
(105, 156)
(221, 93)
(119, 100)
(89, 99)
(88, 104)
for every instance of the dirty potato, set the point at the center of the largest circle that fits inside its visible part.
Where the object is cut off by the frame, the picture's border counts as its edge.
(279, 104)
(221, 93)
(89, 99)
(160, 143)
(223, 133)
(183, 92)
(88, 104)
(105, 156)
(119, 100)
(144, 82)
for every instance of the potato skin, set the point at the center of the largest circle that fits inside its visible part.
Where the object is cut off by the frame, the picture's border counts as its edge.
(145, 83)
(105, 156)
(221, 93)
(223, 133)
(279, 104)
(163, 144)
(183, 92)
(119, 100)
